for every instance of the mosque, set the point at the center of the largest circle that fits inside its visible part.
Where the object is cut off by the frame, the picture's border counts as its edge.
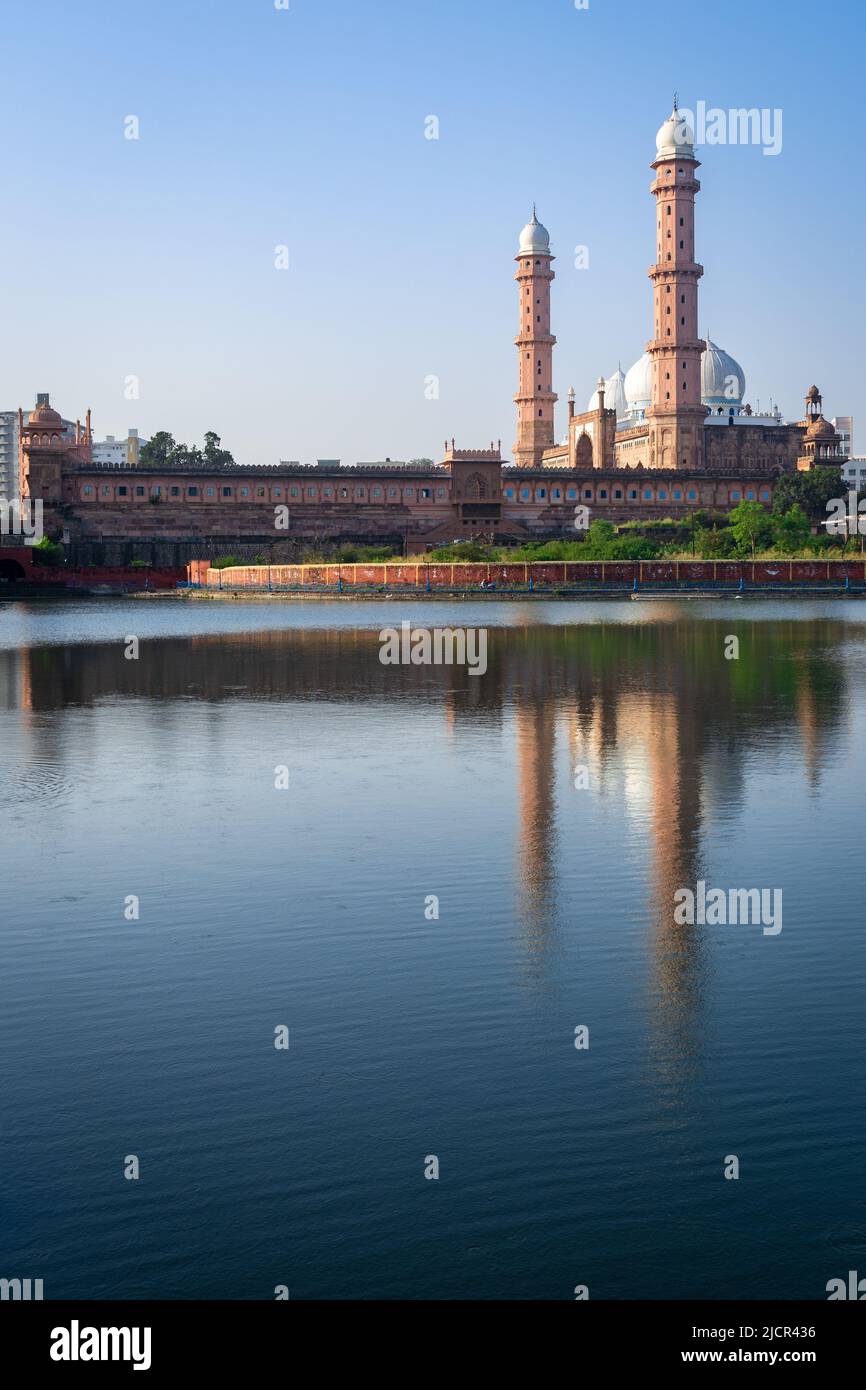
(681, 406)
(670, 436)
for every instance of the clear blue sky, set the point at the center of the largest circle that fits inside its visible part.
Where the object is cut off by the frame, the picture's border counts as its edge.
(260, 127)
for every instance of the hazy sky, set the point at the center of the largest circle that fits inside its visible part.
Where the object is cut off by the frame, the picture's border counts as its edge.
(260, 127)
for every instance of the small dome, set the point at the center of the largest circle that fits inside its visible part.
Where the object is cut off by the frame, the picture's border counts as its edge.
(675, 138)
(723, 381)
(638, 385)
(44, 414)
(614, 395)
(820, 429)
(534, 238)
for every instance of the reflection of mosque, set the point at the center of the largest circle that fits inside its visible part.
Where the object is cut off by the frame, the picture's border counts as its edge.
(652, 703)
(658, 706)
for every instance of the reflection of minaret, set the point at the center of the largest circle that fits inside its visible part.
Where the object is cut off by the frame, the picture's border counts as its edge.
(536, 745)
(15, 688)
(674, 766)
(659, 735)
(809, 719)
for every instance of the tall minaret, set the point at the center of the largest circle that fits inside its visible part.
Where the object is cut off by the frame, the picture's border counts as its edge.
(676, 415)
(535, 398)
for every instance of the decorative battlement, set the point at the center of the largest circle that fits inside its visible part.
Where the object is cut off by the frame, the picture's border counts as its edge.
(455, 455)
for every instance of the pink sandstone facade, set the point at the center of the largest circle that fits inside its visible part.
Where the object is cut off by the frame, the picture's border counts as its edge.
(677, 413)
(670, 462)
(535, 398)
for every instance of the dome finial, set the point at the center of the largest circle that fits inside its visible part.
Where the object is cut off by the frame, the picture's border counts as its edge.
(535, 238)
(675, 137)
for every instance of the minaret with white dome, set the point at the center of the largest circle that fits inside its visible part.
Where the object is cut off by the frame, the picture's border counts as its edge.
(676, 412)
(535, 398)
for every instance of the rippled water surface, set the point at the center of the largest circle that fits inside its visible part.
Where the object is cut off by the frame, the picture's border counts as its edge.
(610, 755)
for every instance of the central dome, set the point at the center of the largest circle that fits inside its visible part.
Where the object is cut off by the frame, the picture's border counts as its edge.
(639, 385)
(534, 238)
(675, 138)
(723, 381)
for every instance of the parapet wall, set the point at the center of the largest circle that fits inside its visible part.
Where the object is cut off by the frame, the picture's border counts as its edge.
(550, 575)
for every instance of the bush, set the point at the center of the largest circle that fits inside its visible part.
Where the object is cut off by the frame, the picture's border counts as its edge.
(714, 544)
(472, 551)
(48, 553)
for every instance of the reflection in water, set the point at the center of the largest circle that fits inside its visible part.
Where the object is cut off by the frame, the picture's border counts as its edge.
(657, 704)
(156, 776)
(536, 850)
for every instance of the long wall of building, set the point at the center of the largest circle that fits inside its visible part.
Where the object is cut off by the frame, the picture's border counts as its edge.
(678, 440)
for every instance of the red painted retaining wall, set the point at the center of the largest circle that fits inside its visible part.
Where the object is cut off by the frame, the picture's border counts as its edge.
(132, 579)
(543, 575)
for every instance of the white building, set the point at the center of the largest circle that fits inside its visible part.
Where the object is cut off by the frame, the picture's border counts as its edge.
(118, 451)
(844, 427)
(854, 473)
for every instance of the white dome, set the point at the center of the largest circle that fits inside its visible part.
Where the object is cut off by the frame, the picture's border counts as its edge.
(674, 138)
(534, 238)
(638, 385)
(723, 381)
(614, 395)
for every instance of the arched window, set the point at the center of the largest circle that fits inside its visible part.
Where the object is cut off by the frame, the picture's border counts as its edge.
(583, 452)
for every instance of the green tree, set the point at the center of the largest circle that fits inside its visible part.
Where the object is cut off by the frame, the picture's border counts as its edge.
(812, 489)
(714, 543)
(598, 540)
(157, 452)
(791, 530)
(750, 526)
(214, 455)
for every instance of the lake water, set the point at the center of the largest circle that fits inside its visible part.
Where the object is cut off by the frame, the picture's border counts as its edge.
(412, 1036)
